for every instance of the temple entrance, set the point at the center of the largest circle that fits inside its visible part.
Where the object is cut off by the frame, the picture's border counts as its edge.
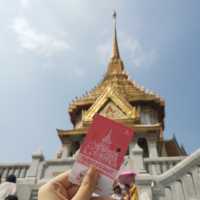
(142, 142)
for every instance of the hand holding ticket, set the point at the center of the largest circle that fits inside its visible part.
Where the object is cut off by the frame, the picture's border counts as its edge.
(104, 147)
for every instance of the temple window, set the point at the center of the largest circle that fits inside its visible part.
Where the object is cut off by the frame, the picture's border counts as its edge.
(148, 116)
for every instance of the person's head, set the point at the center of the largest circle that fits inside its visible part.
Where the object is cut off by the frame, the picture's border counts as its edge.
(117, 189)
(11, 197)
(127, 178)
(11, 178)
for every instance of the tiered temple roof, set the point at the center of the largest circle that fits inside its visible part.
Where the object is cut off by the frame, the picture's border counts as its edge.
(117, 78)
(121, 99)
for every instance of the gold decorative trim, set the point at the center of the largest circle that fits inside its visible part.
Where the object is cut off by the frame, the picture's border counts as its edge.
(138, 128)
(110, 93)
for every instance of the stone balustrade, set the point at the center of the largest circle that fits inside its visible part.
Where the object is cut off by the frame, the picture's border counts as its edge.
(18, 169)
(159, 165)
(162, 178)
(51, 168)
(182, 182)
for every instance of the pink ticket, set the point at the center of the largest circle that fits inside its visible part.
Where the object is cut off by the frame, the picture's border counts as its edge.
(104, 147)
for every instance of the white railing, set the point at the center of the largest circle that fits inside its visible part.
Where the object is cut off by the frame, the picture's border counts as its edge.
(19, 170)
(181, 182)
(160, 165)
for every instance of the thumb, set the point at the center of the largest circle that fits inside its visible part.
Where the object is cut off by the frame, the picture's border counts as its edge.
(88, 184)
(90, 179)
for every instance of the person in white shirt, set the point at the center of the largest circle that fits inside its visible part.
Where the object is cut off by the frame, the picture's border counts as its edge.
(8, 187)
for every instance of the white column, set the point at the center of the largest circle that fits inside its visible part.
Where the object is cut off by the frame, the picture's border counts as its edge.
(67, 147)
(152, 146)
(136, 156)
(32, 172)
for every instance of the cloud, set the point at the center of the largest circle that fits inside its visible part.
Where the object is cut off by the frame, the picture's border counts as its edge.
(37, 42)
(25, 3)
(132, 48)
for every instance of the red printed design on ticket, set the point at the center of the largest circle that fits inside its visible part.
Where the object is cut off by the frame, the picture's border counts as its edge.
(104, 147)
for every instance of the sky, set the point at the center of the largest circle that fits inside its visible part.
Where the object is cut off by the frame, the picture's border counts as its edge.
(52, 51)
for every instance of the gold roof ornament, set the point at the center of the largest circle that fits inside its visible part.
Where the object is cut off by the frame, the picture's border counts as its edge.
(117, 78)
(110, 95)
(115, 65)
(115, 48)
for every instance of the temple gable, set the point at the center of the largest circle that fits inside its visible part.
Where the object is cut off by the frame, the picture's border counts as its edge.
(111, 104)
(111, 110)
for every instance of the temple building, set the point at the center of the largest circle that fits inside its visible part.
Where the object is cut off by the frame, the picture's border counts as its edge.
(164, 170)
(119, 98)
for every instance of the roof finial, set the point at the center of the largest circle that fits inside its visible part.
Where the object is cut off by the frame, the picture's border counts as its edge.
(115, 65)
(114, 15)
(115, 49)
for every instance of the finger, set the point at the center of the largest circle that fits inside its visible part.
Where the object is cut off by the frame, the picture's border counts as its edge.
(90, 179)
(92, 173)
(63, 179)
(66, 187)
(47, 192)
(72, 191)
(60, 192)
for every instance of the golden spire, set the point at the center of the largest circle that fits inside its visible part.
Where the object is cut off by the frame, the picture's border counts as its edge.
(115, 65)
(115, 49)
